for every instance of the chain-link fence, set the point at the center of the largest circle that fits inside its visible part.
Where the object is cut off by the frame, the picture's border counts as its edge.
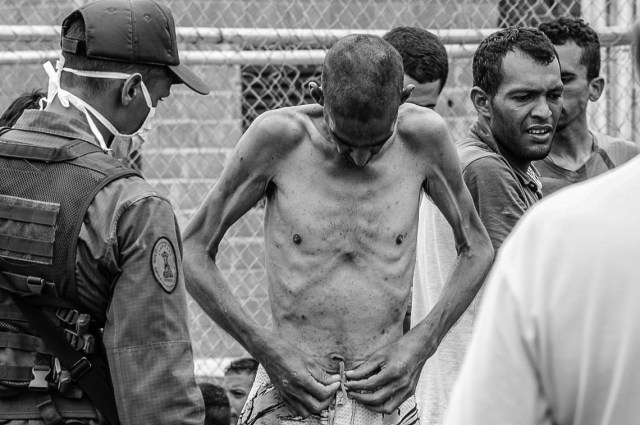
(259, 55)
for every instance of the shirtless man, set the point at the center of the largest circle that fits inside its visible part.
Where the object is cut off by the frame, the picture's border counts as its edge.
(342, 181)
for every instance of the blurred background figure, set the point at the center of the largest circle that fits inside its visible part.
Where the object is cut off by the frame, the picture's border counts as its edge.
(216, 404)
(27, 100)
(425, 63)
(238, 380)
(578, 152)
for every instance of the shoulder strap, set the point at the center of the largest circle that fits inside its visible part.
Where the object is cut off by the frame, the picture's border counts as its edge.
(72, 150)
(91, 380)
(121, 172)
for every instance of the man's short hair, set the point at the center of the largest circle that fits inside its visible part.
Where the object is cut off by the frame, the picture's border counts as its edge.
(566, 29)
(93, 86)
(27, 100)
(488, 59)
(362, 76)
(424, 57)
(244, 365)
(216, 404)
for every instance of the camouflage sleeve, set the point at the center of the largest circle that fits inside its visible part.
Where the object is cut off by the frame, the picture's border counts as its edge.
(146, 333)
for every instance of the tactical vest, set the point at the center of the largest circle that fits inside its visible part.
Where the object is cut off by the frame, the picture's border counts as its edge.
(45, 191)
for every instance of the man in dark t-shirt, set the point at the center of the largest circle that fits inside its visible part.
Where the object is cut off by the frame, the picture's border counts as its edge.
(577, 152)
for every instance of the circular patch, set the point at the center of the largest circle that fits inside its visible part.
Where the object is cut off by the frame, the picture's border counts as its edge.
(164, 264)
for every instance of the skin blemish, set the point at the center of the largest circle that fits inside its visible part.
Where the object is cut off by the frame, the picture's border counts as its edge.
(297, 239)
(349, 256)
(399, 239)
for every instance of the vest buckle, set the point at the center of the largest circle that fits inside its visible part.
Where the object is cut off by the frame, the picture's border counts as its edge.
(39, 381)
(35, 284)
(81, 367)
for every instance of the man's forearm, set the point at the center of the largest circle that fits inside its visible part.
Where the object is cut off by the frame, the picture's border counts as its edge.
(209, 289)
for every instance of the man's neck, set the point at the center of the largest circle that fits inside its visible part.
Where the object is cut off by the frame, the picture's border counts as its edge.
(572, 146)
(73, 112)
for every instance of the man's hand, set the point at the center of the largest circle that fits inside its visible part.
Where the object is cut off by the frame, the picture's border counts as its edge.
(387, 378)
(304, 385)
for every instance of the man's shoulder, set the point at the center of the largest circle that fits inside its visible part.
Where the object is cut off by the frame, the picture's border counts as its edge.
(622, 149)
(125, 193)
(286, 125)
(412, 118)
(421, 127)
(477, 155)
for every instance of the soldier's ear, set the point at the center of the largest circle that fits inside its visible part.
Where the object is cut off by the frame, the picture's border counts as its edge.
(130, 88)
(481, 101)
(316, 93)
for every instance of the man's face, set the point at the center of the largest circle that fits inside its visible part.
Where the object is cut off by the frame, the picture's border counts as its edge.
(137, 114)
(525, 110)
(576, 85)
(425, 94)
(357, 140)
(237, 387)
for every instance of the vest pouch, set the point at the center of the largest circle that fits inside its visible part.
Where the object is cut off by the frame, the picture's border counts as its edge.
(27, 229)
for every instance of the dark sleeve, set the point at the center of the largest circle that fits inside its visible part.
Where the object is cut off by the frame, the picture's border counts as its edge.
(496, 194)
(146, 334)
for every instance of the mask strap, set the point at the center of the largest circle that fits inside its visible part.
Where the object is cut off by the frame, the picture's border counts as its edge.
(66, 98)
(98, 74)
(54, 83)
(111, 75)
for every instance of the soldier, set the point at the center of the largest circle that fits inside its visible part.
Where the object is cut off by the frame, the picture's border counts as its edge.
(92, 299)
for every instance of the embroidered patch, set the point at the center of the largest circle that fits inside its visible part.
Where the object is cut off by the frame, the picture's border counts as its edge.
(164, 265)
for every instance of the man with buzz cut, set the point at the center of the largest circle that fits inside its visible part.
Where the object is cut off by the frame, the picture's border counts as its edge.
(578, 152)
(343, 181)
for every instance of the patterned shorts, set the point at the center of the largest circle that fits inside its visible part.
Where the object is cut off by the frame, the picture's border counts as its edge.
(264, 406)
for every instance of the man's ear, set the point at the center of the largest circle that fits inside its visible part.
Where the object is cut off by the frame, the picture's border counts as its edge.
(131, 89)
(596, 87)
(481, 102)
(406, 93)
(316, 93)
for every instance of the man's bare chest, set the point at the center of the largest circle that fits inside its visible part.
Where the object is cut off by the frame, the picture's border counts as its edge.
(350, 211)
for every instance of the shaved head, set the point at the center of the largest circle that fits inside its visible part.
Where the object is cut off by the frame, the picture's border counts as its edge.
(362, 77)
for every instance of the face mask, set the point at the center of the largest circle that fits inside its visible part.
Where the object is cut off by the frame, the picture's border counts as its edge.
(123, 145)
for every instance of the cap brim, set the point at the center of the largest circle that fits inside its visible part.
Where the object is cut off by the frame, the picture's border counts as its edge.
(186, 76)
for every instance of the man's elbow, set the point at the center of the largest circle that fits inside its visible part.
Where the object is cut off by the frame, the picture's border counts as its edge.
(480, 249)
(196, 256)
(486, 251)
